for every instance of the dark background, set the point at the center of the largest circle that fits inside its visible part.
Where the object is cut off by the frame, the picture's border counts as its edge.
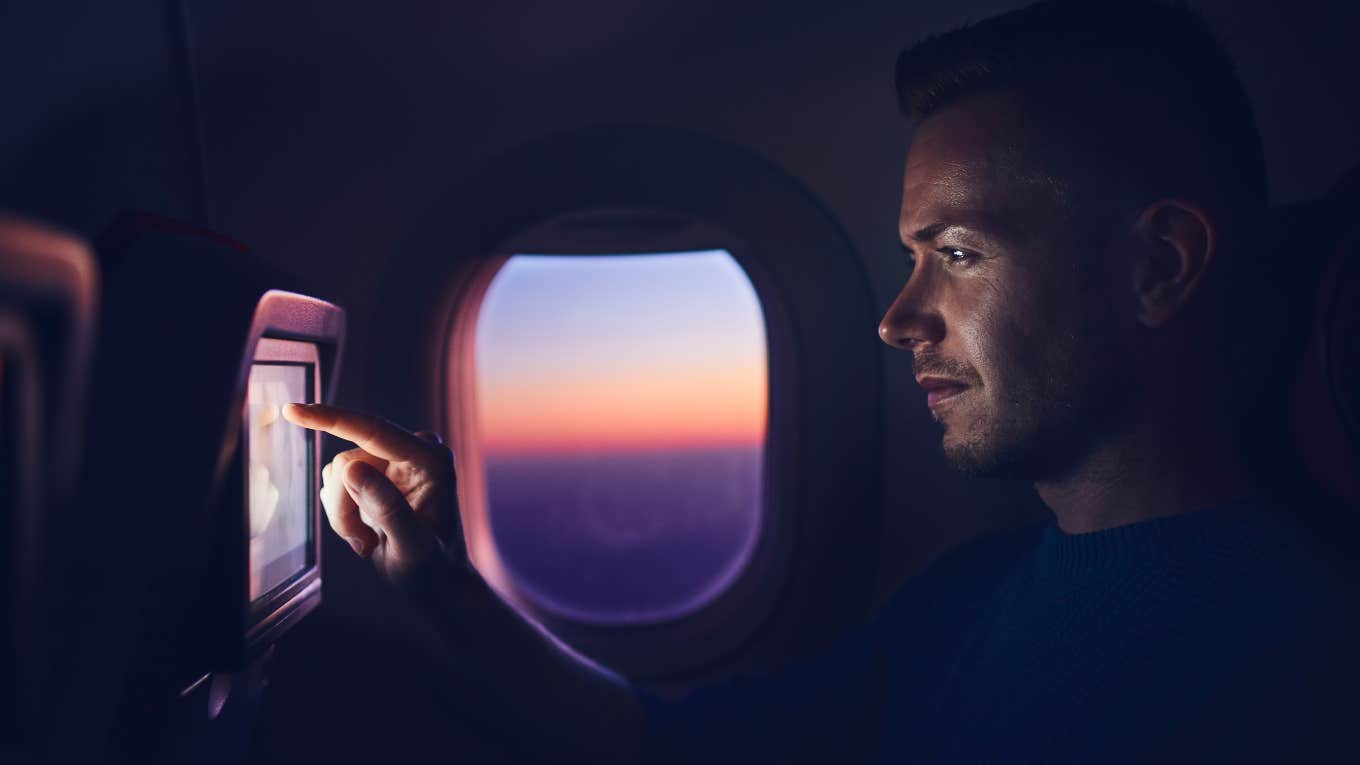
(314, 132)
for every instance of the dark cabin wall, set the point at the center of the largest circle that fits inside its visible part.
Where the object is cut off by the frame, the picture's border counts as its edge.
(329, 126)
(93, 115)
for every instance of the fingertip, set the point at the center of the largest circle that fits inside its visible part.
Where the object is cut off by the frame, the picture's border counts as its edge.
(295, 413)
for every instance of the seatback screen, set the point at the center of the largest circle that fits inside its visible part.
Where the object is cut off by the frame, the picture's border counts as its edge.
(280, 460)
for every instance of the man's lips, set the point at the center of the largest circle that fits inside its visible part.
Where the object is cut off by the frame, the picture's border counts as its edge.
(940, 389)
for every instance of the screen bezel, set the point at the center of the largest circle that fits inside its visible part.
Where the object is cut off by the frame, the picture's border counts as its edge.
(276, 609)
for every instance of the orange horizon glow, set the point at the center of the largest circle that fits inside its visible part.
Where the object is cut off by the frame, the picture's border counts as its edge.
(561, 371)
(627, 412)
(550, 449)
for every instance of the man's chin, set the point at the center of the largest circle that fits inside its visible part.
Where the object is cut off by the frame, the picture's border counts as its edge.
(977, 457)
(966, 461)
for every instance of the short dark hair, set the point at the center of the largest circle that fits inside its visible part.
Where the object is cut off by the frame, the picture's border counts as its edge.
(1138, 53)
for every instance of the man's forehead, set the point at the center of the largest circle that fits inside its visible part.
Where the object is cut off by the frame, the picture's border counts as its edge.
(960, 191)
(951, 154)
(949, 182)
(966, 162)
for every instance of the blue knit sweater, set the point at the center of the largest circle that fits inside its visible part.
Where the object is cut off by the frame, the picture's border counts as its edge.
(1218, 634)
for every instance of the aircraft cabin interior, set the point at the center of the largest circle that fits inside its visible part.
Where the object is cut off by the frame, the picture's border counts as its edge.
(479, 382)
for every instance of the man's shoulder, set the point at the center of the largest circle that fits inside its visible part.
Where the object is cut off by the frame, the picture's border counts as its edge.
(1295, 546)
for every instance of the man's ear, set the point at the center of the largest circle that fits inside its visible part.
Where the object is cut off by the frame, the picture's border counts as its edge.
(1179, 241)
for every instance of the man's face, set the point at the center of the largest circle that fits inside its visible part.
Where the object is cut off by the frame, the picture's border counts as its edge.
(1011, 313)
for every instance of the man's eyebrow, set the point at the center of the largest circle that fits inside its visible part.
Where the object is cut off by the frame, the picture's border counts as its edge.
(934, 230)
(976, 223)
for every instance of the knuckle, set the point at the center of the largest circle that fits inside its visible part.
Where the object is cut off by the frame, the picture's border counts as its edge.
(428, 462)
(335, 518)
(333, 501)
(438, 459)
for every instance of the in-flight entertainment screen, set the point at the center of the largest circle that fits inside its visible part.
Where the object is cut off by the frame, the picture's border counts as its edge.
(281, 497)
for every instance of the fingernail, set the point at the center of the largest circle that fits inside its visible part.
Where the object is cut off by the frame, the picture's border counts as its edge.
(358, 547)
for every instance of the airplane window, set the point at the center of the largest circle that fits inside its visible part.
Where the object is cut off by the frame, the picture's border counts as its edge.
(622, 405)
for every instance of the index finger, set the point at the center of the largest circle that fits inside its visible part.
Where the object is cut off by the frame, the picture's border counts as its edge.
(374, 435)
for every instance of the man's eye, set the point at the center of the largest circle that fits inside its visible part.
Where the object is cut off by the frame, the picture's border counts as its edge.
(955, 256)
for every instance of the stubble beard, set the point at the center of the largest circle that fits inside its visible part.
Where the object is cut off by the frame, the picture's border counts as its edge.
(1039, 431)
(988, 444)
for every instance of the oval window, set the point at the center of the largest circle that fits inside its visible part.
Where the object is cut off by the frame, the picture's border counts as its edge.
(622, 403)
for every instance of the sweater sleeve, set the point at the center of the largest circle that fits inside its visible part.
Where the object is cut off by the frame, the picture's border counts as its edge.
(830, 708)
(825, 710)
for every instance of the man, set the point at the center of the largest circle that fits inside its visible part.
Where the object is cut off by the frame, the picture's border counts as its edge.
(1083, 192)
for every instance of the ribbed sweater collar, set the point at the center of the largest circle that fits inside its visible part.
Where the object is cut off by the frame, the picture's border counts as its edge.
(1160, 539)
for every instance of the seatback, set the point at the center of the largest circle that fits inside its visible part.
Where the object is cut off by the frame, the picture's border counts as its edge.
(49, 295)
(1326, 391)
(178, 310)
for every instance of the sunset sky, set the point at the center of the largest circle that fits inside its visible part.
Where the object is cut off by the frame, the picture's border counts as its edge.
(620, 353)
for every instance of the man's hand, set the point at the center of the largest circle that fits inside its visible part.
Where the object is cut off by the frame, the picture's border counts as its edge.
(395, 497)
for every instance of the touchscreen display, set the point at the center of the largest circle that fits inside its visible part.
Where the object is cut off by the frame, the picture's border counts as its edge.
(279, 474)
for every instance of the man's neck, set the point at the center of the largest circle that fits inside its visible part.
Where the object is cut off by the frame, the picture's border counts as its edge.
(1157, 468)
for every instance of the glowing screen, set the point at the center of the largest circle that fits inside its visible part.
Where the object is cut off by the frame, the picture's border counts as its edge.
(280, 492)
(622, 406)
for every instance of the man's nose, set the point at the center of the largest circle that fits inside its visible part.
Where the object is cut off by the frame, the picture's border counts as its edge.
(913, 320)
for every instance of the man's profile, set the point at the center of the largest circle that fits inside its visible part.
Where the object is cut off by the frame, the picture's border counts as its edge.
(1083, 195)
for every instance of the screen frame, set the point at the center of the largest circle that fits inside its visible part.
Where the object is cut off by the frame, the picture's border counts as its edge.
(281, 604)
(239, 630)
